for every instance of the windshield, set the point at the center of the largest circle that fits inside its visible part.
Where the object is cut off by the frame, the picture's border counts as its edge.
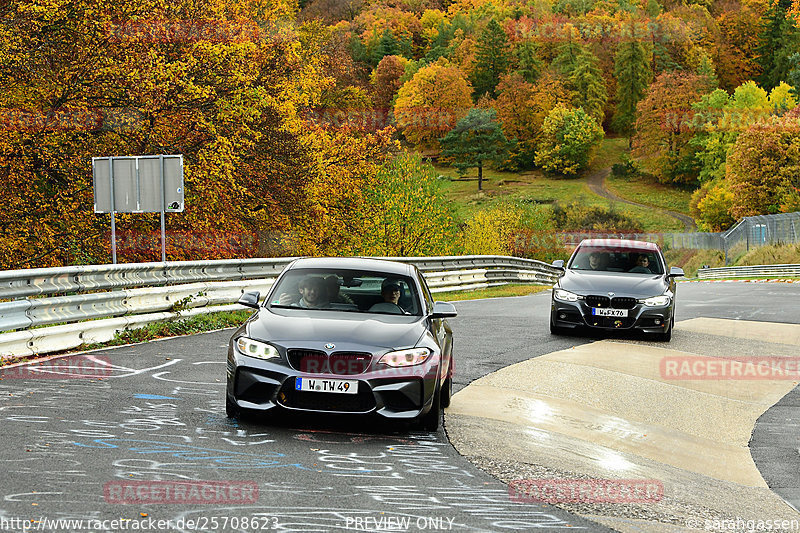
(605, 259)
(347, 291)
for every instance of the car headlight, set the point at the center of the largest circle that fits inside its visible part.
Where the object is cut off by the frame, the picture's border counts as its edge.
(656, 301)
(256, 349)
(565, 296)
(414, 356)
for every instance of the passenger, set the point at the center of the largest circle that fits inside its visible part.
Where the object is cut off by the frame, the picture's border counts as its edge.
(334, 296)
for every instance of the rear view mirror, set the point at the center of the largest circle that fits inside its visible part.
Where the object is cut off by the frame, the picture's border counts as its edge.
(444, 310)
(250, 299)
(559, 263)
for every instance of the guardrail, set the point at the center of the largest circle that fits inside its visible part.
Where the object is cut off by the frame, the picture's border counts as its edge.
(773, 271)
(92, 303)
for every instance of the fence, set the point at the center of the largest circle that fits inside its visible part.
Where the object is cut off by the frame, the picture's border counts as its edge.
(749, 232)
(55, 309)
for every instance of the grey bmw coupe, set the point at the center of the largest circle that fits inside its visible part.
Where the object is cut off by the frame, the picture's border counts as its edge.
(615, 284)
(344, 335)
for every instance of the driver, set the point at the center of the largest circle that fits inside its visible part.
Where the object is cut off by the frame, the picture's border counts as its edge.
(390, 291)
(642, 265)
(597, 261)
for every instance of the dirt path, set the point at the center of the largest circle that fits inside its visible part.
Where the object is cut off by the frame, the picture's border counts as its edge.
(597, 183)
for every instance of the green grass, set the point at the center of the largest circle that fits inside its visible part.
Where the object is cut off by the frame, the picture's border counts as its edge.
(610, 152)
(534, 187)
(492, 292)
(646, 190)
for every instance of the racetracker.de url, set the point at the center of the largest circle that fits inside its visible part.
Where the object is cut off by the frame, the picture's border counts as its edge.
(200, 523)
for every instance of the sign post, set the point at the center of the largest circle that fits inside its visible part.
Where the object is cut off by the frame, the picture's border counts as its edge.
(138, 184)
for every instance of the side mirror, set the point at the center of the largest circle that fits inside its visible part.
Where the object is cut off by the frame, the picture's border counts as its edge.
(250, 299)
(675, 272)
(559, 263)
(444, 310)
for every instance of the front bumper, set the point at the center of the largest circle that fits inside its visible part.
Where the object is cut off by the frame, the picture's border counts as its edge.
(640, 317)
(393, 393)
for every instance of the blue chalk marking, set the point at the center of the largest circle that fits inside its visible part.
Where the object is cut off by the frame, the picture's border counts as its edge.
(152, 397)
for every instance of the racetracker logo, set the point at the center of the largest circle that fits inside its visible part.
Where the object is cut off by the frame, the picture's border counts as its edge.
(181, 492)
(745, 368)
(71, 367)
(586, 490)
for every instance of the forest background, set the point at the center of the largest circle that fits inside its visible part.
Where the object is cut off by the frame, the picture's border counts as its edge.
(313, 127)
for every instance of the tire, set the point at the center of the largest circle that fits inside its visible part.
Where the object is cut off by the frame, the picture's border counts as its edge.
(231, 409)
(447, 388)
(430, 420)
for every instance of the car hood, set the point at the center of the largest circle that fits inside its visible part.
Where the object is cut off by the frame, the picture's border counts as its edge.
(315, 329)
(620, 283)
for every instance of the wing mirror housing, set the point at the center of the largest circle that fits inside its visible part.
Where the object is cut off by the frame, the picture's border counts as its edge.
(250, 299)
(444, 310)
(675, 272)
(559, 263)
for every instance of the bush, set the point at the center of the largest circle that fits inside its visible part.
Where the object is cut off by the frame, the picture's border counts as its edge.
(579, 216)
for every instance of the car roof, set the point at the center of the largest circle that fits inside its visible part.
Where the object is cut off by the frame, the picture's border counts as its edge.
(354, 263)
(620, 243)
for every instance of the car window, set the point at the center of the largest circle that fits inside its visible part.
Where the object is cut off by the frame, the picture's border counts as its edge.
(346, 291)
(610, 259)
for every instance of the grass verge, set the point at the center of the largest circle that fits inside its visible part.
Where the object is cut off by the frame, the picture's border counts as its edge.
(492, 292)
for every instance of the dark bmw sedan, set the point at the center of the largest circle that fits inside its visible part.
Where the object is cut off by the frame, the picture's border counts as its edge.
(615, 284)
(344, 335)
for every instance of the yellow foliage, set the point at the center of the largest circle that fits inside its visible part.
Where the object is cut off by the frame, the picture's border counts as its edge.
(489, 231)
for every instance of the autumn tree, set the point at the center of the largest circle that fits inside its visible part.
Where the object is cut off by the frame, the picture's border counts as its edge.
(664, 126)
(386, 79)
(430, 104)
(406, 212)
(522, 108)
(763, 170)
(633, 74)
(568, 141)
(204, 81)
(476, 140)
(492, 59)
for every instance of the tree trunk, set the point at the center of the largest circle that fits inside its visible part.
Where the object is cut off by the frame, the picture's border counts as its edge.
(480, 176)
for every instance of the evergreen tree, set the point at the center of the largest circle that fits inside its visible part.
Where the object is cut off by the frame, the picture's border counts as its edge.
(568, 54)
(793, 78)
(779, 39)
(476, 139)
(587, 80)
(528, 64)
(491, 59)
(633, 74)
(389, 45)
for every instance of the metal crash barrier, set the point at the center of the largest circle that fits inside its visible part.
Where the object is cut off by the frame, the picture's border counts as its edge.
(757, 271)
(47, 310)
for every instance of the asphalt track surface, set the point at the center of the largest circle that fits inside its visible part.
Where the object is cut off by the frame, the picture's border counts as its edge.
(81, 448)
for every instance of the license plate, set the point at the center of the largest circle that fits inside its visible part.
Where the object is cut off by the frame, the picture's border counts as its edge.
(337, 386)
(609, 312)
